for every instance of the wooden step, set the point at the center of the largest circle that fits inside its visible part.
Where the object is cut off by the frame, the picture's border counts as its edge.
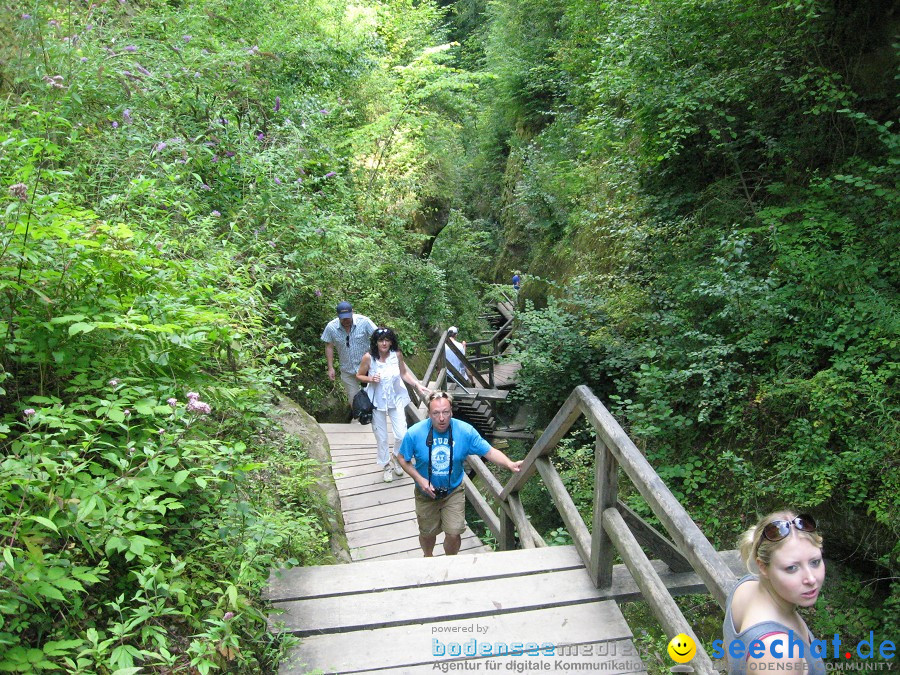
(593, 636)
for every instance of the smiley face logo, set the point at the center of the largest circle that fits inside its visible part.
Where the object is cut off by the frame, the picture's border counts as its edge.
(682, 648)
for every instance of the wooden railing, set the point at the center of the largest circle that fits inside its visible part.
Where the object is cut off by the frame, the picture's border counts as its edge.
(615, 528)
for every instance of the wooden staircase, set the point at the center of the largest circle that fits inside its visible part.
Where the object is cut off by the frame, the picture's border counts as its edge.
(475, 411)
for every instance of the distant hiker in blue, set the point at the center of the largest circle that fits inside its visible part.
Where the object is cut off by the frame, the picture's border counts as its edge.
(516, 282)
(440, 445)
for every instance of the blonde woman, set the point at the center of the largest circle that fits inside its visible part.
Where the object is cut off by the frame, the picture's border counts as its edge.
(761, 612)
(384, 370)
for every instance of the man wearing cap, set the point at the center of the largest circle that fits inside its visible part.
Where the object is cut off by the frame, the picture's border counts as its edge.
(452, 359)
(350, 333)
(440, 445)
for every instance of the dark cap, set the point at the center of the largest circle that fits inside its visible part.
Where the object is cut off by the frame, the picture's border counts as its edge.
(344, 310)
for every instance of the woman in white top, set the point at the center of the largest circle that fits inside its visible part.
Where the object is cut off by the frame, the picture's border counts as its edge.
(384, 371)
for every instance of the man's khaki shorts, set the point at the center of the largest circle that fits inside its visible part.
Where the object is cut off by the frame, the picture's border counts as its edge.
(447, 514)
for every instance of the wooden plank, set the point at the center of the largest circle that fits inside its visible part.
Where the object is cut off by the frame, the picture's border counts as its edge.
(406, 645)
(395, 517)
(606, 493)
(678, 524)
(479, 503)
(557, 428)
(566, 508)
(335, 580)
(399, 493)
(652, 587)
(408, 545)
(469, 545)
(347, 476)
(362, 515)
(373, 484)
(418, 605)
(480, 393)
(517, 511)
(382, 533)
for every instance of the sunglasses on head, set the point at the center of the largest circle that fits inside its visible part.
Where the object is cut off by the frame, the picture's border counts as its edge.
(438, 394)
(779, 529)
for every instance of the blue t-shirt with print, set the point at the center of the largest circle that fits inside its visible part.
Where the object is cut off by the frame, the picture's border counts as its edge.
(466, 441)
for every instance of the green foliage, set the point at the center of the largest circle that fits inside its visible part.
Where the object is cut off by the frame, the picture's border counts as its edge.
(710, 191)
(181, 216)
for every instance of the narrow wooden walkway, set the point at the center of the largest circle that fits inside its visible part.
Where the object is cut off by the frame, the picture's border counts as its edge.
(379, 517)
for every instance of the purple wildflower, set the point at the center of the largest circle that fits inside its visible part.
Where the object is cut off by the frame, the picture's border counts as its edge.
(19, 191)
(126, 412)
(130, 48)
(193, 395)
(298, 181)
(26, 16)
(186, 38)
(205, 187)
(114, 382)
(318, 293)
(228, 616)
(253, 50)
(330, 174)
(277, 103)
(172, 401)
(29, 412)
(260, 136)
(196, 75)
(198, 406)
(115, 125)
(126, 116)
(323, 111)
(277, 180)
(216, 214)
(215, 158)
(84, 59)
(143, 71)
(160, 146)
(53, 22)
(230, 153)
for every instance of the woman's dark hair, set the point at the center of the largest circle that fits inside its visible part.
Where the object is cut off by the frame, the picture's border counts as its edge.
(379, 334)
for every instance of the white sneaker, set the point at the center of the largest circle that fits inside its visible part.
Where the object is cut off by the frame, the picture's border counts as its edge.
(388, 476)
(397, 470)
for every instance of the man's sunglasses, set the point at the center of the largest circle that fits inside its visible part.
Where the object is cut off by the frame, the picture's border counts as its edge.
(439, 394)
(779, 529)
(348, 340)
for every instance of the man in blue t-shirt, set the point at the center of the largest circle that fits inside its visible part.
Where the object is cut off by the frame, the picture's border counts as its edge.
(440, 445)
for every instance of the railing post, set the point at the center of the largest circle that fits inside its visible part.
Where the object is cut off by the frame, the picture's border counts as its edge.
(506, 538)
(606, 492)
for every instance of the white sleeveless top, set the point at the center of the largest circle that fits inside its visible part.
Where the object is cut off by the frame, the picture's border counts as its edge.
(391, 391)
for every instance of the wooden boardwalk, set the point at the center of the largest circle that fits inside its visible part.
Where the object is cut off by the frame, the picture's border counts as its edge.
(459, 612)
(379, 517)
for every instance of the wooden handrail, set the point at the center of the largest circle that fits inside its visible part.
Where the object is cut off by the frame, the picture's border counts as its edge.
(616, 528)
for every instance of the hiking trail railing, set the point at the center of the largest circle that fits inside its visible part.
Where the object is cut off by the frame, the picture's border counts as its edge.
(615, 528)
